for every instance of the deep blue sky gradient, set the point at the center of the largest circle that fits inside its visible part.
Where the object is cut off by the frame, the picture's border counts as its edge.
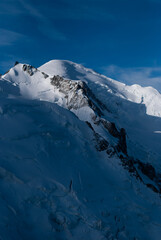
(116, 37)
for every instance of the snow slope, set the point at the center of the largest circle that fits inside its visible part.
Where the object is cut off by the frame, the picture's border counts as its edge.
(135, 93)
(55, 183)
(135, 108)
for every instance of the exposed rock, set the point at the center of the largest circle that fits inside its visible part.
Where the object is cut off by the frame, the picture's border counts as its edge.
(152, 187)
(77, 94)
(122, 146)
(16, 63)
(88, 123)
(111, 127)
(101, 143)
(56, 80)
(24, 67)
(29, 69)
(45, 75)
(129, 164)
(121, 135)
(147, 169)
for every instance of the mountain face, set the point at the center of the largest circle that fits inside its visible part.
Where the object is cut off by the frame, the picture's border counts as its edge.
(80, 155)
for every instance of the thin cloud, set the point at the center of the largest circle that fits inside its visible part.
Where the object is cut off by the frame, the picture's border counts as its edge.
(10, 7)
(144, 76)
(45, 26)
(30, 9)
(79, 10)
(8, 37)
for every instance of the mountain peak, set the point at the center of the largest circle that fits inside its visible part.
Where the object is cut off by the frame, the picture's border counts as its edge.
(64, 68)
(73, 139)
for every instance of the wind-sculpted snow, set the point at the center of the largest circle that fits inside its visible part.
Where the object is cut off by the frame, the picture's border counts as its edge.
(70, 160)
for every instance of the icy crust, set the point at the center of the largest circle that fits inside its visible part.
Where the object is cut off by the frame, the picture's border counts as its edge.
(55, 185)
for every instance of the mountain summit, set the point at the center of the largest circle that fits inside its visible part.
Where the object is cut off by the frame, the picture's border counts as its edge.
(80, 156)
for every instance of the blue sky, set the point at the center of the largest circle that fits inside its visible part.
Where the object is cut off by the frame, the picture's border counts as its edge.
(120, 38)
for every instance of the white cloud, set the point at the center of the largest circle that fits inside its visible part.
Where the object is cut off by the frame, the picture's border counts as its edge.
(144, 76)
(8, 37)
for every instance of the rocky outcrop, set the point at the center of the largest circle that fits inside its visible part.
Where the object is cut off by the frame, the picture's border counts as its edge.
(16, 63)
(45, 75)
(147, 169)
(78, 94)
(29, 69)
(120, 135)
(32, 70)
(145, 172)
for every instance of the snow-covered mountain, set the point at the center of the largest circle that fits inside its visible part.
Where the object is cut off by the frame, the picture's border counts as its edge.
(80, 155)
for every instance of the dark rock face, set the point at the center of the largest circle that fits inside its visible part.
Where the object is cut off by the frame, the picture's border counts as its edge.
(29, 69)
(129, 164)
(147, 169)
(94, 102)
(101, 143)
(111, 127)
(140, 169)
(121, 135)
(45, 75)
(56, 81)
(153, 188)
(122, 146)
(24, 67)
(16, 63)
(77, 94)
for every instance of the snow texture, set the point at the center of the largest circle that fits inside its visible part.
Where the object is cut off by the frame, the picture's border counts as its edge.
(55, 181)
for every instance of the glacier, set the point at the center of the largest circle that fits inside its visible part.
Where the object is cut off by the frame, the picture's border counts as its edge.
(80, 155)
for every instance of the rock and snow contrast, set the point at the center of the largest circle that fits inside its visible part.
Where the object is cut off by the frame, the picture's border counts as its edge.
(80, 155)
